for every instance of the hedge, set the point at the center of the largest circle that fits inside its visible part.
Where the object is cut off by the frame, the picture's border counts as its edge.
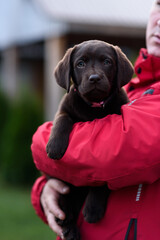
(22, 117)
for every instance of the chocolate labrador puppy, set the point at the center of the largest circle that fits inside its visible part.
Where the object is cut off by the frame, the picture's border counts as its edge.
(97, 71)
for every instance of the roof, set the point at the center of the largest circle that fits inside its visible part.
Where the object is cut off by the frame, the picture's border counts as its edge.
(21, 21)
(115, 12)
(24, 21)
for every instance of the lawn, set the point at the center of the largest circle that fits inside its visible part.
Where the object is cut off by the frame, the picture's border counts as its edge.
(18, 220)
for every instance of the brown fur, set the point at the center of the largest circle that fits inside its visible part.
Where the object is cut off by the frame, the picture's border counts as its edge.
(98, 71)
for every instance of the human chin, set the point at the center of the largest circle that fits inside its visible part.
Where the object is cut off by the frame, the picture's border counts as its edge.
(153, 45)
(154, 50)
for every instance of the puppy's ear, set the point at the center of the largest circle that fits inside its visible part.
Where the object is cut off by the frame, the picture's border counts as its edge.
(124, 68)
(63, 71)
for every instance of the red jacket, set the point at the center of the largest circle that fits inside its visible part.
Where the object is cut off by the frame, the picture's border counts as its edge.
(122, 151)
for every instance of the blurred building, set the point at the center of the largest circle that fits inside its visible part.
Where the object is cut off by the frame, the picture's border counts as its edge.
(36, 33)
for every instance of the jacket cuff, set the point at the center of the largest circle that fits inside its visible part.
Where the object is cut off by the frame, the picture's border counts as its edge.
(35, 197)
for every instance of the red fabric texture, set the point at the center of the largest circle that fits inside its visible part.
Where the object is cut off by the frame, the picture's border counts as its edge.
(120, 151)
(35, 196)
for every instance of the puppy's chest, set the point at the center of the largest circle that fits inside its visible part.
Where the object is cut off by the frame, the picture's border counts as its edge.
(88, 115)
(81, 111)
(84, 112)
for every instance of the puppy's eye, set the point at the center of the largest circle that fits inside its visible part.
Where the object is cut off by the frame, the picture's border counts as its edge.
(107, 61)
(81, 64)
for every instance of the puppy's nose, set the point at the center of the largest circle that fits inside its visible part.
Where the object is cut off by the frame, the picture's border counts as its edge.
(94, 78)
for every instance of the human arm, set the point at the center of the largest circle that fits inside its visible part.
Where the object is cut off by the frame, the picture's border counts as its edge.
(120, 150)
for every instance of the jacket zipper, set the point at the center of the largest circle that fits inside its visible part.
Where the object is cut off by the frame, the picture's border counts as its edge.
(133, 221)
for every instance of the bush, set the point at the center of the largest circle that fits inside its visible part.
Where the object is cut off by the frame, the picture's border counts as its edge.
(4, 114)
(24, 117)
(4, 110)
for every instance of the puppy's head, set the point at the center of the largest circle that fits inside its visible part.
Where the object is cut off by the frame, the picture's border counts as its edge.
(96, 69)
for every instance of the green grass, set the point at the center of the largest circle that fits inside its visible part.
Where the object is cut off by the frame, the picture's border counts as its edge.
(18, 220)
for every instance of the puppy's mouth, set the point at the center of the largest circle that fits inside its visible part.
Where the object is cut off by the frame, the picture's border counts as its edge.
(95, 95)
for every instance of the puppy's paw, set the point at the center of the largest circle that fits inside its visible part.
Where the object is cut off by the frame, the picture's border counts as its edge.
(71, 233)
(60, 222)
(55, 149)
(93, 214)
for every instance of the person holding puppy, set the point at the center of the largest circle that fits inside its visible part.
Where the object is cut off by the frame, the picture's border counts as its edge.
(121, 151)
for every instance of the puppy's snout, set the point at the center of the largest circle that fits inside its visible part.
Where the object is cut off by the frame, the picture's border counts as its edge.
(94, 78)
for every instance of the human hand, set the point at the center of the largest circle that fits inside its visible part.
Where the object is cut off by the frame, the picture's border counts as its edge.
(49, 201)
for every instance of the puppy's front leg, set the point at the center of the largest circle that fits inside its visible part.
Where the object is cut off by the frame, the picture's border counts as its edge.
(59, 138)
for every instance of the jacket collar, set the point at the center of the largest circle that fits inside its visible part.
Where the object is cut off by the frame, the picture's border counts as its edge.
(147, 68)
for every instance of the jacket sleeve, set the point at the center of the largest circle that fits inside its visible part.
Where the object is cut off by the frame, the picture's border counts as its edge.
(120, 150)
(35, 197)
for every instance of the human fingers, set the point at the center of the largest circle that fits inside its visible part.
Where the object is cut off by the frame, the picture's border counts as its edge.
(53, 225)
(49, 200)
(58, 185)
(50, 196)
